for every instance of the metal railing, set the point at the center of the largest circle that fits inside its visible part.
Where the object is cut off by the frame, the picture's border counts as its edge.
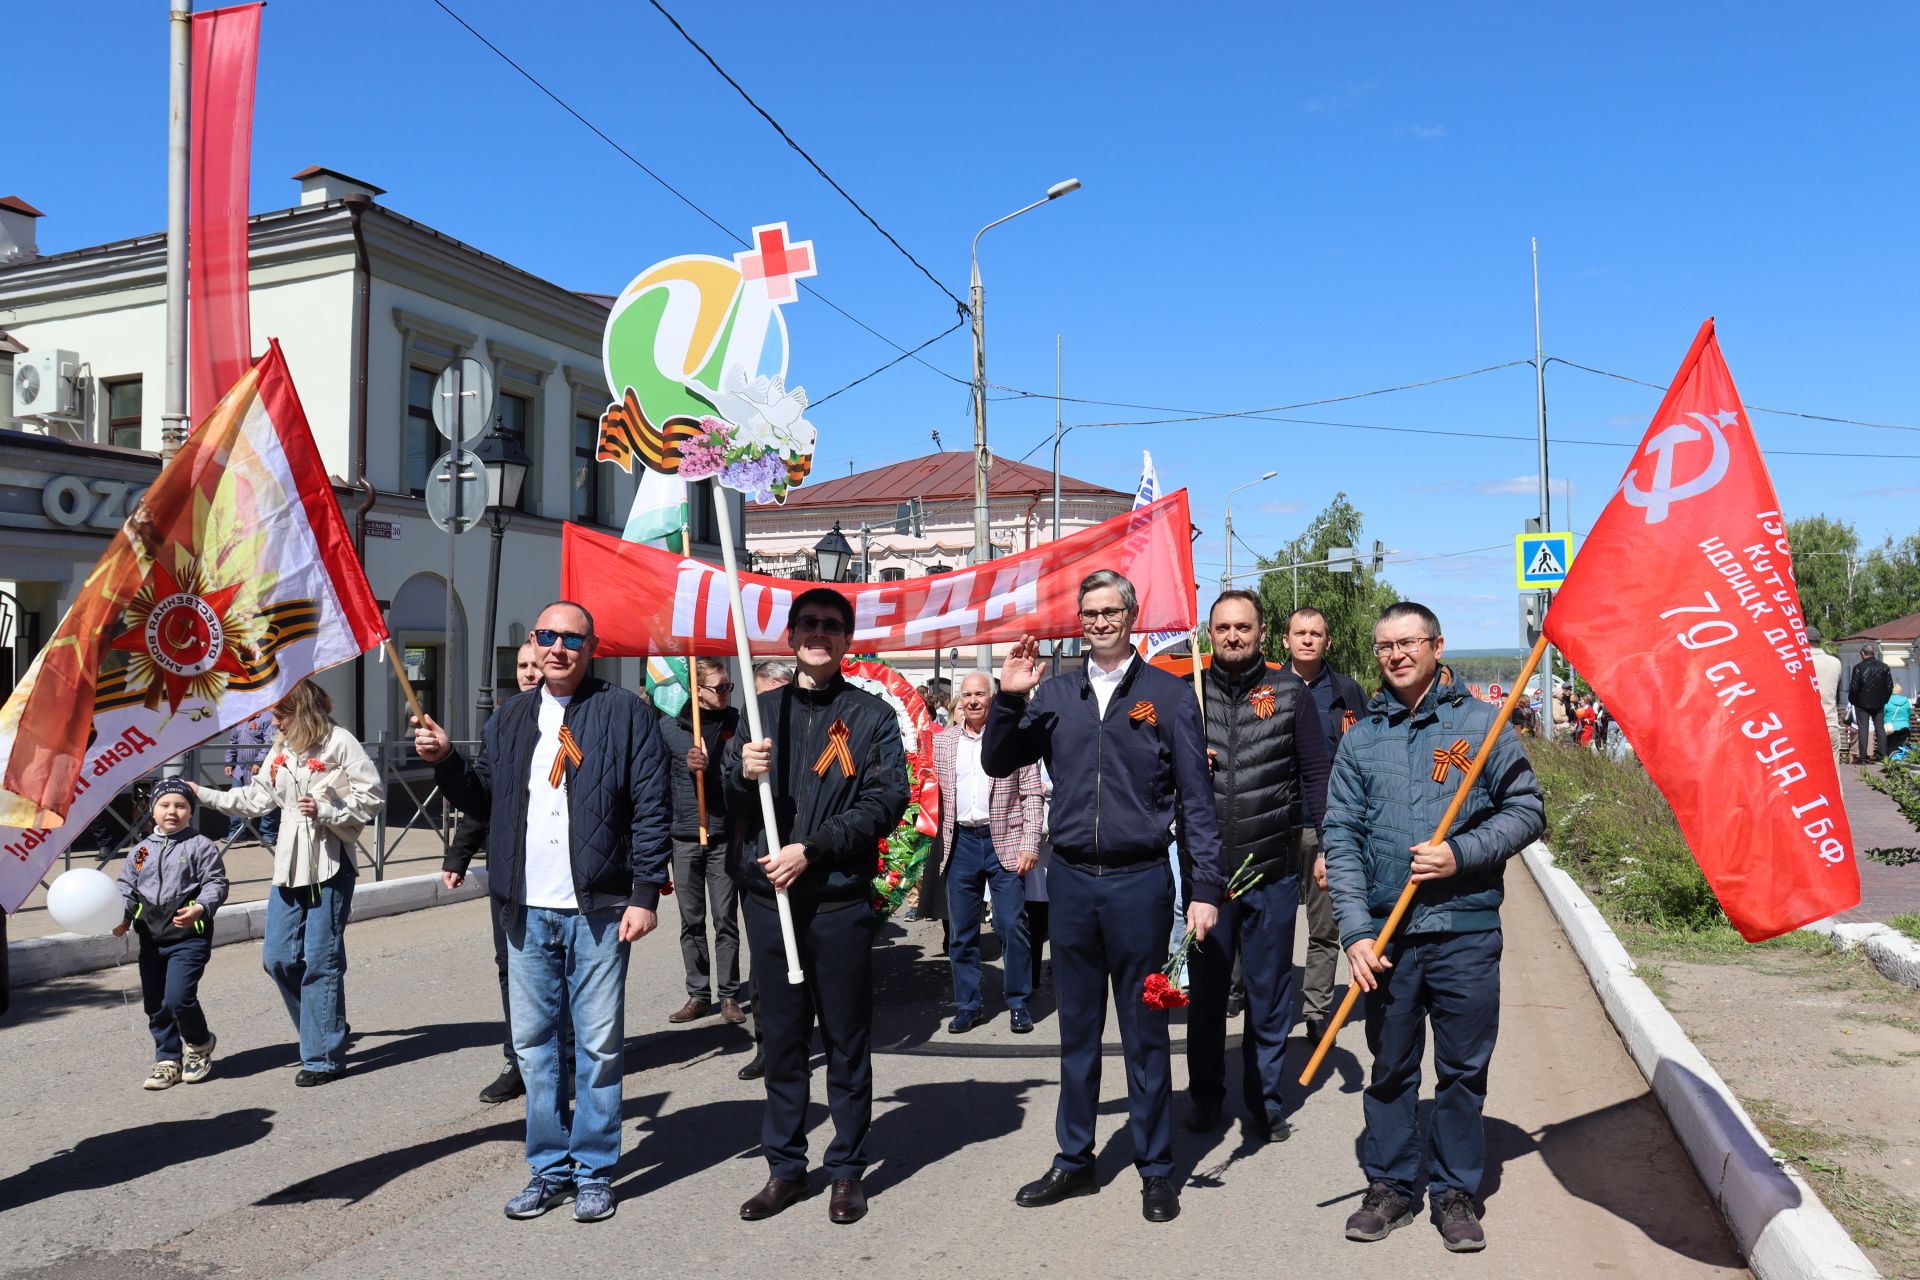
(406, 782)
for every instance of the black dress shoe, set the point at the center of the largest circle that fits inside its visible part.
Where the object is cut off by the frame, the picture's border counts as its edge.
(963, 1023)
(1203, 1117)
(1020, 1022)
(1159, 1202)
(1277, 1129)
(505, 1087)
(1056, 1185)
(849, 1202)
(308, 1079)
(772, 1198)
(755, 1068)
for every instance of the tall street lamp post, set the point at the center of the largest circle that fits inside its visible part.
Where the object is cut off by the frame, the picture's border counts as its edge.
(981, 551)
(506, 467)
(1226, 579)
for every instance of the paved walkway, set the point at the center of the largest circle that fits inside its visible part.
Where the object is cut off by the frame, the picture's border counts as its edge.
(1878, 824)
(399, 1171)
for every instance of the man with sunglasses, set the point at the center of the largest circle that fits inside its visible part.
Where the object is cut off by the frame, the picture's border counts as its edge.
(1395, 774)
(702, 887)
(1126, 749)
(839, 778)
(573, 776)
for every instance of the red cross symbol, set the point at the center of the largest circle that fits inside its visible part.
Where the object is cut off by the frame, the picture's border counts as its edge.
(778, 262)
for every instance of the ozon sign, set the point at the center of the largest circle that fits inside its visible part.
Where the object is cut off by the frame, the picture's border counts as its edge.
(74, 502)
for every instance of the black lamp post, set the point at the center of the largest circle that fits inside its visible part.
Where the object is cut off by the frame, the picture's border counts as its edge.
(507, 467)
(835, 554)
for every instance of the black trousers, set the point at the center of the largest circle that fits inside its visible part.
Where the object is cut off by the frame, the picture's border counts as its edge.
(1110, 930)
(170, 990)
(1257, 930)
(497, 911)
(836, 952)
(1036, 937)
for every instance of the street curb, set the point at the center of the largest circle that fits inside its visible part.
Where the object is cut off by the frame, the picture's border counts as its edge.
(61, 955)
(1893, 953)
(1777, 1220)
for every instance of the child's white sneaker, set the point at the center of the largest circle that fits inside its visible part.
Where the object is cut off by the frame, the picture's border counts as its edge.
(164, 1075)
(199, 1060)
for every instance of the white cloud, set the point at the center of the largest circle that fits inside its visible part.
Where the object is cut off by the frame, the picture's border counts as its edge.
(1327, 104)
(1897, 491)
(1519, 486)
(1278, 508)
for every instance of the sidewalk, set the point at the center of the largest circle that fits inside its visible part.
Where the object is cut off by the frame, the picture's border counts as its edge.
(1878, 824)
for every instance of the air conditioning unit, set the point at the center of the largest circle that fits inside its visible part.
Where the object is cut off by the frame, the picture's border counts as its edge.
(46, 384)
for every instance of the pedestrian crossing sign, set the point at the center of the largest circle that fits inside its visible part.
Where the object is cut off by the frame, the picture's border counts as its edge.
(1540, 560)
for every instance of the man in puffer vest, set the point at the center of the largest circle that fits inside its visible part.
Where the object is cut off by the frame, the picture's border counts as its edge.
(1394, 776)
(1269, 761)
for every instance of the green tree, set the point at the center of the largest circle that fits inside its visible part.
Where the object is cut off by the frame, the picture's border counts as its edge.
(1351, 600)
(1826, 555)
(1888, 583)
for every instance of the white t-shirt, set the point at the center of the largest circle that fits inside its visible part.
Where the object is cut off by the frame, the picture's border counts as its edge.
(549, 844)
(1105, 682)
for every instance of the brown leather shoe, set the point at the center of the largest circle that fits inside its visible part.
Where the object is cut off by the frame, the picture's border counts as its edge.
(693, 1008)
(731, 1011)
(849, 1203)
(775, 1196)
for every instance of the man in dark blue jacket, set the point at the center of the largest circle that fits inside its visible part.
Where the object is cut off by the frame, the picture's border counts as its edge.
(573, 778)
(1395, 775)
(1124, 744)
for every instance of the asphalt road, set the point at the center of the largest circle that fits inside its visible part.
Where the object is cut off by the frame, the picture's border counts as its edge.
(400, 1170)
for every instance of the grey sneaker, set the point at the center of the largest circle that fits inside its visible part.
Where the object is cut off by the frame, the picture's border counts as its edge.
(164, 1075)
(1384, 1210)
(593, 1202)
(541, 1195)
(198, 1064)
(1459, 1224)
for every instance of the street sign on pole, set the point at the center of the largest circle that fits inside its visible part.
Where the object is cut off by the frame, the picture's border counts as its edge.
(1540, 560)
(468, 384)
(1340, 560)
(457, 491)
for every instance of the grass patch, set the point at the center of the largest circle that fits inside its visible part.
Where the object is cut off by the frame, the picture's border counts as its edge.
(1874, 1214)
(1907, 922)
(1899, 784)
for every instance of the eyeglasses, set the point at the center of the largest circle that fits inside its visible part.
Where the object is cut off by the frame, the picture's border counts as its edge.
(1092, 616)
(821, 626)
(573, 640)
(725, 686)
(1409, 645)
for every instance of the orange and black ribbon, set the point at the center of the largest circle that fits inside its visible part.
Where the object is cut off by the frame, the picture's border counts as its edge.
(1454, 757)
(1348, 720)
(1143, 710)
(1263, 701)
(836, 749)
(569, 754)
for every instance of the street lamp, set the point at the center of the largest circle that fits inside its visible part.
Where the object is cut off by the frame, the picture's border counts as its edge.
(1226, 579)
(835, 554)
(981, 552)
(506, 466)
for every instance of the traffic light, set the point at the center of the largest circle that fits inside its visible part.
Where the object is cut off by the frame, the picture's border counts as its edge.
(1533, 609)
(1379, 555)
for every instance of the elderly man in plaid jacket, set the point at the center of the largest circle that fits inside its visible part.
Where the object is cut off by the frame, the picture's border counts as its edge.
(990, 830)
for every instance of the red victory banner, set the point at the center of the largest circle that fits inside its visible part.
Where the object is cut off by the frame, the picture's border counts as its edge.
(646, 601)
(1681, 610)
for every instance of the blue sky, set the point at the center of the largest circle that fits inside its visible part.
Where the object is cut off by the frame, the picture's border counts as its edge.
(1283, 203)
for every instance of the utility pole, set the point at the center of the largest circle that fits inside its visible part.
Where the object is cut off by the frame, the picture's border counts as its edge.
(981, 458)
(1546, 501)
(174, 420)
(1056, 472)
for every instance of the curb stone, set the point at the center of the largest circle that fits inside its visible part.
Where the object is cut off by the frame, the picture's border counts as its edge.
(62, 955)
(1775, 1217)
(1893, 953)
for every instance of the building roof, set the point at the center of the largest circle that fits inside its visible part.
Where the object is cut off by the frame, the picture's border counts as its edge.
(1907, 628)
(18, 205)
(936, 477)
(315, 170)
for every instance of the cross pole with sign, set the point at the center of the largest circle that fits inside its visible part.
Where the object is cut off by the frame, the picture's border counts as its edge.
(1540, 560)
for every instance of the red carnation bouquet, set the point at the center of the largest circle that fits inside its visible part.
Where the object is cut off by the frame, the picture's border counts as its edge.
(1160, 991)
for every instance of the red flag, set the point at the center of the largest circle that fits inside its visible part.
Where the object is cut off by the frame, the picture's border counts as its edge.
(1681, 610)
(226, 44)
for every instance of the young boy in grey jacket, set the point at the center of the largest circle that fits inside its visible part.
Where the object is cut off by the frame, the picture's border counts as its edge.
(172, 883)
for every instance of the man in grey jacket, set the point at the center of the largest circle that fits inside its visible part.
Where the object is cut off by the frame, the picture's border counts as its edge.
(1396, 773)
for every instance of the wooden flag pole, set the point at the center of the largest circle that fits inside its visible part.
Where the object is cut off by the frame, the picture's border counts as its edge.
(693, 674)
(769, 820)
(400, 674)
(1199, 689)
(1439, 833)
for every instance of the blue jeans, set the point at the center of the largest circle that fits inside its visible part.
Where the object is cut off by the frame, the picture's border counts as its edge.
(305, 953)
(974, 865)
(562, 963)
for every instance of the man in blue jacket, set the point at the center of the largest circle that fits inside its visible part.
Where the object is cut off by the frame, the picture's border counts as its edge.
(1124, 744)
(573, 776)
(1395, 774)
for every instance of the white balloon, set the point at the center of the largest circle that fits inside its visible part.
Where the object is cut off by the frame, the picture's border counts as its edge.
(85, 901)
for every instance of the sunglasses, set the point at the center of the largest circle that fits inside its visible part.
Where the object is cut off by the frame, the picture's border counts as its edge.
(725, 686)
(821, 626)
(573, 640)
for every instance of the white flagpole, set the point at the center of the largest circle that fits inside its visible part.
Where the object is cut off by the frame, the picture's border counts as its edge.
(725, 518)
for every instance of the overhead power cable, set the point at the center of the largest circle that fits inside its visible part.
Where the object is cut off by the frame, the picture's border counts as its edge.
(1198, 415)
(1753, 408)
(802, 152)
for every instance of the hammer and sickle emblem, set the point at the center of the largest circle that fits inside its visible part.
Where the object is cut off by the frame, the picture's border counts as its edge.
(179, 633)
(1659, 497)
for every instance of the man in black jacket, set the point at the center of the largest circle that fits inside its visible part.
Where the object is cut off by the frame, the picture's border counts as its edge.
(1339, 702)
(574, 779)
(1868, 689)
(1270, 764)
(839, 777)
(703, 887)
(1124, 744)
